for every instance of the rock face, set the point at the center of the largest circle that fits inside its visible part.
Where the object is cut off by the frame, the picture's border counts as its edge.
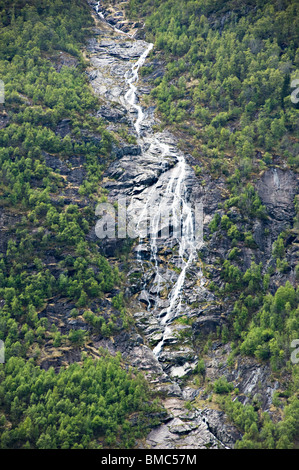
(277, 189)
(4, 120)
(65, 60)
(254, 381)
(167, 290)
(113, 114)
(200, 429)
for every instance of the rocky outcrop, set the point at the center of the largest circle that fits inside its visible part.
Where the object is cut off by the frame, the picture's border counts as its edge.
(254, 381)
(63, 128)
(192, 429)
(277, 189)
(206, 324)
(113, 114)
(115, 18)
(72, 168)
(64, 60)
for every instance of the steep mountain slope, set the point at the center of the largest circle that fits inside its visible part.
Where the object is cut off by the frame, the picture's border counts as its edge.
(220, 76)
(192, 110)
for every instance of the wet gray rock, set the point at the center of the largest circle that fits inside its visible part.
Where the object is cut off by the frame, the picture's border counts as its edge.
(111, 20)
(65, 60)
(189, 394)
(180, 357)
(219, 426)
(207, 324)
(190, 430)
(4, 120)
(138, 174)
(142, 173)
(72, 168)
(277, 189)
(63, 127)
(250, 377)
(113, 114)
(133, 150)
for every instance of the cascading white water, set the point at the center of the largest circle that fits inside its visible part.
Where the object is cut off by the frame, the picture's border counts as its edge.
(175, 198)
(174, 201)
(276, 179)
(187, 245)
(164, 197)
(130, 96)
(100, 14)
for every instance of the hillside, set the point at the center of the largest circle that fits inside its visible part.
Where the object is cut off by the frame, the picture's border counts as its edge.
(149, 341)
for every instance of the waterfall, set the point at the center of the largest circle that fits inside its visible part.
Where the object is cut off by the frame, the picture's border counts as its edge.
(187, 245)
(173, 200)
(100, 14)
(167, 196)
(130, 96)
